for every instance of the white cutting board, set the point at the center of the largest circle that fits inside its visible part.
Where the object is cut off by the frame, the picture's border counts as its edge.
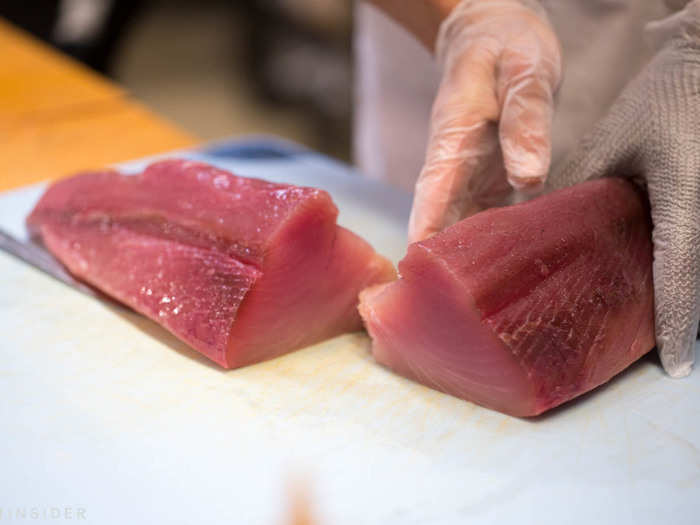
(106, 414)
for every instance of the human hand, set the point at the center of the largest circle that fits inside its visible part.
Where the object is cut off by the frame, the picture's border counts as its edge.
(492, 118)
(652, 134)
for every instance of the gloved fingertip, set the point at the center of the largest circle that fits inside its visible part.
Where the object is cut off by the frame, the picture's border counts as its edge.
(420, 234)
(678, 360)
(680, 371)
(527, 185)
(525, 168)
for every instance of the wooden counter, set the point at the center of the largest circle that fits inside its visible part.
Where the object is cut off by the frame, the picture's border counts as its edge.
(58, 117)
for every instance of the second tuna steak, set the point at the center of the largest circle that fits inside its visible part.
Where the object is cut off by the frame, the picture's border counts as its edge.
(241, 269)
(523, 308)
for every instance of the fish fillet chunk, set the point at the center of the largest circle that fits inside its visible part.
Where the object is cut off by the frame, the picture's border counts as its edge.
(241, 269)
(520, 309)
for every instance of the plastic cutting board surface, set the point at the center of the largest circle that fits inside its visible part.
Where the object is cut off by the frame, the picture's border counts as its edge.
(104, 411)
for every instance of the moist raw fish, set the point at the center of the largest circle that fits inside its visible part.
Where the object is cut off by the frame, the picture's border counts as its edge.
(241, 269)
(523, 308)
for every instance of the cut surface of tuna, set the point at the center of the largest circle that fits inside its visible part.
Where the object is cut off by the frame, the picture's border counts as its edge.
(520, 309)
(241, 269)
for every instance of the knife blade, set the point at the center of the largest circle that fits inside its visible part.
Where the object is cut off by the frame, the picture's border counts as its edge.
(36, 256)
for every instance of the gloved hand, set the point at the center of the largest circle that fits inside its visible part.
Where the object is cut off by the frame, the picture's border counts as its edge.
(652, 134)
(492, 118)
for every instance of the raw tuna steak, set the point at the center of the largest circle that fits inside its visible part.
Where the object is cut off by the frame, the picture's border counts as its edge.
(241, 269)
(520, 309)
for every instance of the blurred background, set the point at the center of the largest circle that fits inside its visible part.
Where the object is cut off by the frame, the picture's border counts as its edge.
(216, 67)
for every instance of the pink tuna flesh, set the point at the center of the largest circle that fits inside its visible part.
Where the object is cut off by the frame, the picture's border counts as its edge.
(523, 308)
(241, 269)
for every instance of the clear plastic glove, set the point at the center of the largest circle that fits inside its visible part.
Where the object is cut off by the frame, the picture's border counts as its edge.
(492, 118)
(652, 134)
